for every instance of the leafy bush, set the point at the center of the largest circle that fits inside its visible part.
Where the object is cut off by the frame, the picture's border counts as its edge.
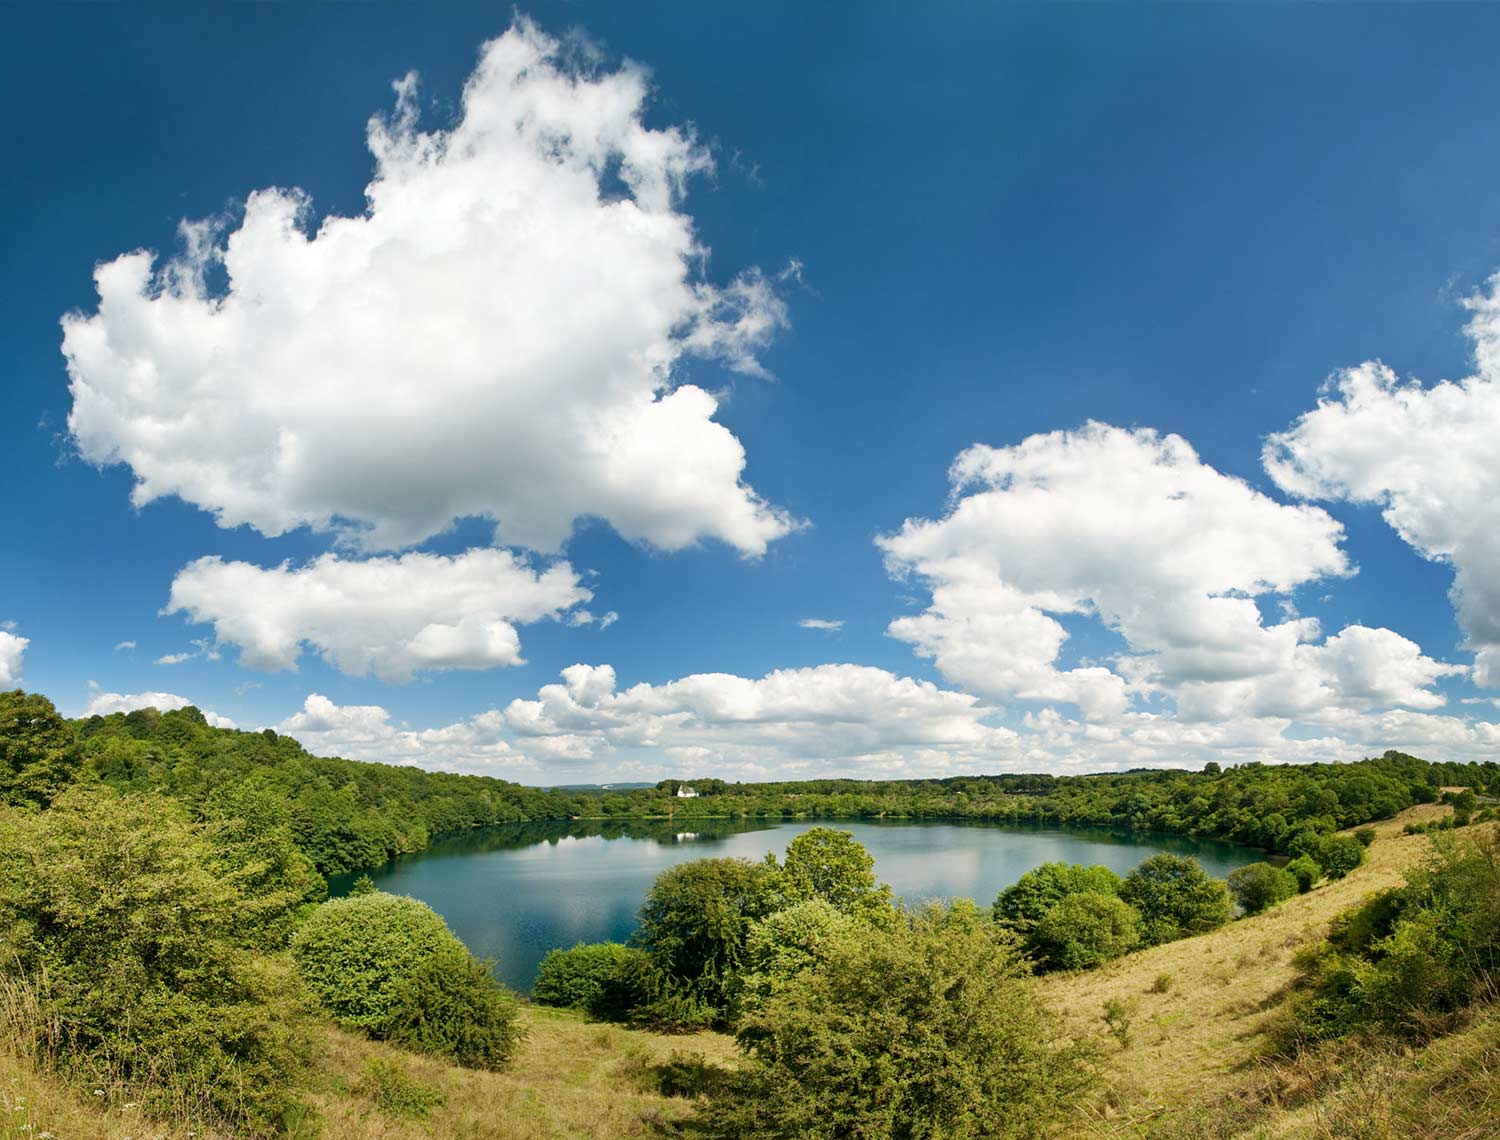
(38, 754)
(1176, 898)
(1305, 869)
(930, 1029)
(1365, 835)
(395, 1092)
(783, 944)
(114, 913)
(1026, 902)
(1339, 854)
(1086, 930)
(581, 978)
(1407, 959)
(451, 1005)
(1259, 886)
(355, 953)
(694, 924)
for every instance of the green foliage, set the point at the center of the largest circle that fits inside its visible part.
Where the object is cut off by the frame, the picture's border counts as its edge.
(395, 1092)
(782, 945)
(38, 754)
(1259, 886)
(1026, 902)
(1339, 854)
(1305, 870)
(929, 1029)
(694, 924)
(824, 863)
(1176, 898)
(364, 885)
(586, 977)
(1161, 984)
(451, 1005)
(1086, 930)
(1409, 959)
(355, 954)
(1365, 835)
(115, 912)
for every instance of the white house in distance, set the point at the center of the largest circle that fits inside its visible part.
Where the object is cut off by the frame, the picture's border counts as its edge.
(686, 792)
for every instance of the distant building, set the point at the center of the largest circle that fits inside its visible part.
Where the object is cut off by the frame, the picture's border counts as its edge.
(686, 792)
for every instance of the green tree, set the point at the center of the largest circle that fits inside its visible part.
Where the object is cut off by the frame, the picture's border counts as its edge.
(1259, 886)
(38, 754)
(1305, 869)
(114, 913)
(1339, 854)
(1176, 898)
(930, 1029)
(1085, 930)
(829, 864)
(1026, 902)
(695, 921)
(782, 945)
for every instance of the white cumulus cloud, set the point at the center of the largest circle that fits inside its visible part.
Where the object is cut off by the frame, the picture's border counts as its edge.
(12, 650)
(1427, 456)
(498, 334)
(103, 704)
(390, 616)
(1132, 529)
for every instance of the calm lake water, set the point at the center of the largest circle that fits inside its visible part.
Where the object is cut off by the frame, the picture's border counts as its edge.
(513, 893)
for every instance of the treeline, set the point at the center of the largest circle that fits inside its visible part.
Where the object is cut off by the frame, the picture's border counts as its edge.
(346, 815)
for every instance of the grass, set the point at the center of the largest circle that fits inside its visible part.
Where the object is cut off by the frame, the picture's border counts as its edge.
(1185, 1059)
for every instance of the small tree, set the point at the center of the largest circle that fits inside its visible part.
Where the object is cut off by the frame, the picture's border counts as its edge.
(1025, 902)
(1259, 886)
(451, 1005)
(580, 978)
(1086, 930)
(1339, 854)
(824, 863)
(695, 921)
(1176, 898)
(1305, 869)
(929, 1029)
(38, 754)
(782, 945)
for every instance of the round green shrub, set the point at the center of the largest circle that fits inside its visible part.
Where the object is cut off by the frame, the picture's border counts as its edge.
(1305, 869)
(1086, 930)
(355, 953)
(1025, 902)
(579, 978)
(1176, 897)
(451, 1005)
(1259, 886)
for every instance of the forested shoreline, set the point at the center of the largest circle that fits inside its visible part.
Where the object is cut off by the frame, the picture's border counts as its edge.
(348, 815)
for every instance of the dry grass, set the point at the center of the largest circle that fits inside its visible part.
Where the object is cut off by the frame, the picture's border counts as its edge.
(571, 1079)
(1195, 1065)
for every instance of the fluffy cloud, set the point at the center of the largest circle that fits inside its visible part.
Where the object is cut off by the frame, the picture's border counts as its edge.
(365, 732)
(1132, 528)
(845, 718)
(1428, 458)
(103, 704)
(387, 616)
(496, 335)
(12, 650)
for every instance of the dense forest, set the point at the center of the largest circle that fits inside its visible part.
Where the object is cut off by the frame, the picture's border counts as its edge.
(346, 815)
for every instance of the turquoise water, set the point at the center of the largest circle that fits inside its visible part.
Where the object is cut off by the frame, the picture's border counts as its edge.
(512, 893)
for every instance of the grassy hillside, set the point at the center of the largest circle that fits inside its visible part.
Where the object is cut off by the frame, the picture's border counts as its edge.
(1193, 1063)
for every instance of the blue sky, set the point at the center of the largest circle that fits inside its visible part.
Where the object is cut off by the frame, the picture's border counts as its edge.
(871, 239)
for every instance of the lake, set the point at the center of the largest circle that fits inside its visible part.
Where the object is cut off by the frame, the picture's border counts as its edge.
(512, 893)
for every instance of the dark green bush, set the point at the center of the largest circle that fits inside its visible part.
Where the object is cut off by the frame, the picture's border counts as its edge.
(452, 1006)
(1305, 869)
(930, 1029)
(1176, 898)
(1365, 835)
(580, 978)
(1339, 854)
(1025, 902)
(1259, 886)
(1086, 930)
(1407, 960)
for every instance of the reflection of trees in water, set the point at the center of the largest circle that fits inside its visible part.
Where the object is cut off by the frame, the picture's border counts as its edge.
(518, 836)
